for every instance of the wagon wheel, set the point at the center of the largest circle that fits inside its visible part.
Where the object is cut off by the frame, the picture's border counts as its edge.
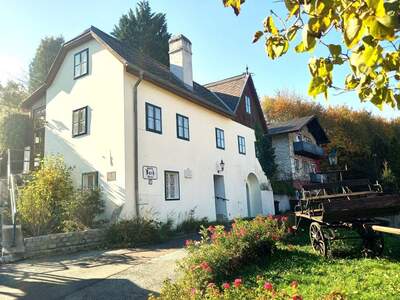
(318, 240)
(373, 245)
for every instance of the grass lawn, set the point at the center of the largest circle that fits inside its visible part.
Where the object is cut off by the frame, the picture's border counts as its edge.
(347, 272)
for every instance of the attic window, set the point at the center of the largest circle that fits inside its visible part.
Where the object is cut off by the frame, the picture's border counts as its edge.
(248, 104)
(81, 64)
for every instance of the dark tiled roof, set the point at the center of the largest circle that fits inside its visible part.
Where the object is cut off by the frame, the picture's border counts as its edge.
(229, 90)
(297, 124)
(289, 126)
(161, 72)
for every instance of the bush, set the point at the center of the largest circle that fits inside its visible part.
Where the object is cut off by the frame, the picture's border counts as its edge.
(220, 254)
(190, 223)
(235, 290)
(82, 210)
(136, 231)
(41, 201)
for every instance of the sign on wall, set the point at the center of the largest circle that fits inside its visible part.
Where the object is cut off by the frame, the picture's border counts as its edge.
(111, 176)
(149, 173)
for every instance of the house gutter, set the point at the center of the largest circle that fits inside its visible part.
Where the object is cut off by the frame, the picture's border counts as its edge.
(135, 141)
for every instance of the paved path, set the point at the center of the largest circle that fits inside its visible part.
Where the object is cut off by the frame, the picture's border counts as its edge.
(116, 274)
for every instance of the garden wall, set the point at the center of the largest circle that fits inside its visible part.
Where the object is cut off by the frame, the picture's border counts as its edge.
(63, 242)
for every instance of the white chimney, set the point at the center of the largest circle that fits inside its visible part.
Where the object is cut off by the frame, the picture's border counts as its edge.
(180, 59)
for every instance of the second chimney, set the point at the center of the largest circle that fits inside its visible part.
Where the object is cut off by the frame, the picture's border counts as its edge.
(180, 59)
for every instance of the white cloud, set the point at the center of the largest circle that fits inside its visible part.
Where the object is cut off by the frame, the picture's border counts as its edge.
(12, 68)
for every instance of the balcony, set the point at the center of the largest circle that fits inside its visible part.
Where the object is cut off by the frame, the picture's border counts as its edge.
(307, 149)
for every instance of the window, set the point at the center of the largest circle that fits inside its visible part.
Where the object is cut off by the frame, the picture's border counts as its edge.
(153, 118)
(248, 104)
(220, 138)
(241, 145)
(172, 185)
(256, 149)
(79, 121)
(182, 127)
(296, 165)
(81, 63)
(90, 180)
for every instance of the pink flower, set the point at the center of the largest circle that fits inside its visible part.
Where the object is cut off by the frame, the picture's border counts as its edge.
(294, 284)
(226, 285)
(237, 282)
(285, 219)
(211, 229)
(211, 285)
(268, 286)
(193, 291)
(270, 217)
(188, 243)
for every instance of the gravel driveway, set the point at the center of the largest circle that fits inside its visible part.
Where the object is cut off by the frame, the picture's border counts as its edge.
(116, 274)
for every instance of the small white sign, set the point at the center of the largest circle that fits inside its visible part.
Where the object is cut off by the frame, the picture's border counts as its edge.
(188, 173)
(149, 172)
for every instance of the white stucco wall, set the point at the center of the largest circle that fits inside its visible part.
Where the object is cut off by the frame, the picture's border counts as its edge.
(102, 149)
(200, 155)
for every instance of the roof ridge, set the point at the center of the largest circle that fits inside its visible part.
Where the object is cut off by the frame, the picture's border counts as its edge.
(225, 80)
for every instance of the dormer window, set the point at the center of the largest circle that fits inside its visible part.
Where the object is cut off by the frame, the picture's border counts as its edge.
(248, 104)
(81, 64)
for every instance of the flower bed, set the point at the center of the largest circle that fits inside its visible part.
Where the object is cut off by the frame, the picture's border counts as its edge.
(220, 254)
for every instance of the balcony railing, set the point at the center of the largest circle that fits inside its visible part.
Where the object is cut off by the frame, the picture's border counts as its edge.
(307, 149)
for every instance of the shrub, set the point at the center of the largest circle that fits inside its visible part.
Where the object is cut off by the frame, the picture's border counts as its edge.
(41, 201)
(190, 223)
(220, 254)
(81, 211)
(136, 231)
(234, 290)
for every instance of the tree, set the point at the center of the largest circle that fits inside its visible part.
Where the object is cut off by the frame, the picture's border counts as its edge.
(361, 139)
(12, 95)
(369, 29)
(265, 153)
(44, 58)
(145, 31)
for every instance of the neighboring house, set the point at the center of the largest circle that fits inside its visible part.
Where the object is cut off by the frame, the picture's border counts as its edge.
(149, 136)
(298, 149)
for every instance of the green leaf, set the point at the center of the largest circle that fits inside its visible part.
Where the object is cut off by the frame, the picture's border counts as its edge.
(335, 50)
(235, 4)
(377, 6)
(378, 30)
(353, 30)
(317, 86)
(351, 82)
(293, 7)
(309, 41)
(257, 36)
(269, 26)
(291, 33)
(276, 46)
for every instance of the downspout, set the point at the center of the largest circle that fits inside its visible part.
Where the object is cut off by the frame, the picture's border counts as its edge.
(135, 141)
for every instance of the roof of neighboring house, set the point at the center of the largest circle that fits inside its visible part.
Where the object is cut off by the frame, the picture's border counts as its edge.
(297, 124)
(230, 89)
(138, 63)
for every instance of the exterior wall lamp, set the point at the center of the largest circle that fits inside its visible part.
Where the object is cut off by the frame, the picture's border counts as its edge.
(220, 166)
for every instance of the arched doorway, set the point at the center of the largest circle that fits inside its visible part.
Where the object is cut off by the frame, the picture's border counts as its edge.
(253, 193)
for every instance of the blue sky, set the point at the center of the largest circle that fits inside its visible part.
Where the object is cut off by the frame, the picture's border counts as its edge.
(221, 41)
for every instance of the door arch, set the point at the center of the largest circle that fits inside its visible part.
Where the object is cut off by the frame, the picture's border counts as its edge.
(253, 192)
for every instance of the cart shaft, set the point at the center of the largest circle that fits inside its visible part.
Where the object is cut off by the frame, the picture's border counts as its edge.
(386, 229)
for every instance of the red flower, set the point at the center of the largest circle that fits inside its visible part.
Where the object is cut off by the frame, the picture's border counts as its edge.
(285, 219)
(204, 265)
(226, 285)
(237, 282)
(294, 284)
(290, 230)
(188, 243)
(297, 297)
(275, 237)
(268, 286)
(211, 229)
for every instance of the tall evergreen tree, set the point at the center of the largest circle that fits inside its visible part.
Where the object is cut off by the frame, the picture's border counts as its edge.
(265, 153)
(145, 31)
(44, 58)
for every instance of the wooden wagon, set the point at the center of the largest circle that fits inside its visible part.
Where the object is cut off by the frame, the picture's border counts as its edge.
(356, 205)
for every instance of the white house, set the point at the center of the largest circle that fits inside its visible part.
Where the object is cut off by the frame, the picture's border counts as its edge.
(150, 137)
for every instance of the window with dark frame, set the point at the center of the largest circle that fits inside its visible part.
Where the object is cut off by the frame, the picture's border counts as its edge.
(241, 144)
(79, 121)
(248, 104)
(90, 180)
(172, 188)
(182, 127)
(81, 63)
(153, 118)
(220, 138)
